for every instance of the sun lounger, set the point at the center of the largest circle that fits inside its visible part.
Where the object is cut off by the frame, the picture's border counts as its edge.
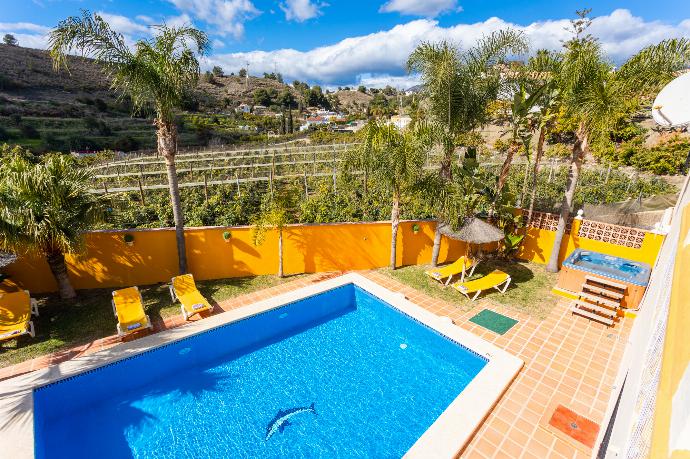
(462, 266)
(192, 302)
(128, 307)
(15, 314)
(496, 279)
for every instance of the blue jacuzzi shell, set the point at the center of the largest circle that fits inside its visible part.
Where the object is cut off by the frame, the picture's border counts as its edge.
(633, 272)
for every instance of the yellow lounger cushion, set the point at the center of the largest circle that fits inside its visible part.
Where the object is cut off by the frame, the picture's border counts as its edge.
(452, 269)
(496, 279)
(194, 302)
(130, 310)
(15, 314)
(191, 299)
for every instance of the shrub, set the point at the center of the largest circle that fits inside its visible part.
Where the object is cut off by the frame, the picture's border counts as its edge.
(126, 143)
(28, 131)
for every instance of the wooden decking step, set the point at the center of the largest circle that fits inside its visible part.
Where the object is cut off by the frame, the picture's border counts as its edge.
(606, 282)
(600, 300)
(594, 307)
(591, 315)
(603, 291)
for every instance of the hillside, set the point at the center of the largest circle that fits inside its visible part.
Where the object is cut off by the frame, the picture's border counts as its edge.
(47, 110)
(353, 101)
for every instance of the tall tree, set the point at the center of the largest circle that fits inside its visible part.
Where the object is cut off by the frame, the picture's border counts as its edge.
(521, 120)
(396, 160)
(543, 70)
(159, 72)
(459, 85)
(596, 95)
(45, 208)
(9, 40)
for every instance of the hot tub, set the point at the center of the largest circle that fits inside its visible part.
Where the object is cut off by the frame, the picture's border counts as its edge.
(581, 263)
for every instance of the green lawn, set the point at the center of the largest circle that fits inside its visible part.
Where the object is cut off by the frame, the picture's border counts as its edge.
(64, 324)
(529, 291)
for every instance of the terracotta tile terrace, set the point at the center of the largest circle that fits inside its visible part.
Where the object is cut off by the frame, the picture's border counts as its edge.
(560, 394)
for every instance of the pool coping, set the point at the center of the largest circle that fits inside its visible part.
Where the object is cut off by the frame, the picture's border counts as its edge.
(446, 437)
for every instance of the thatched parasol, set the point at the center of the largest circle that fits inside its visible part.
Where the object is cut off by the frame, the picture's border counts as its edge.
(473, 231)
(7, 259)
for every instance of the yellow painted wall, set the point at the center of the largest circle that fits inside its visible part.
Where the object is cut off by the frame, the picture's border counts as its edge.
(538, 243)
(108, 262)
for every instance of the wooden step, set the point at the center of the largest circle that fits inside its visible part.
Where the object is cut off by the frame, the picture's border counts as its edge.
(603, 291)
(606, 282)
(594, 307)
(591, 315)
(600, 300)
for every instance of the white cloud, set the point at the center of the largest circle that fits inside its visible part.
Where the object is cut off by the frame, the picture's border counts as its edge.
(383, 80)
(218, 44)
(301, 10)
(426, 8)
(384, 53)
(27, 34)
(227, 16)
(144, 18)
(123, 24)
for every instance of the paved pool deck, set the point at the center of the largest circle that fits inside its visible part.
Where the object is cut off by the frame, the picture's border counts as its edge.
(570, 362)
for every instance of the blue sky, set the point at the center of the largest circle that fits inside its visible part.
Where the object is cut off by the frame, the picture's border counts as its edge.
(335, 42)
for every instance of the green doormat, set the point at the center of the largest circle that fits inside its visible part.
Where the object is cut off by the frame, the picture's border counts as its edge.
(497, 323)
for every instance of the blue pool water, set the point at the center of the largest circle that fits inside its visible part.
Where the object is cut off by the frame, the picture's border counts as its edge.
(377, 380)
(617, 268)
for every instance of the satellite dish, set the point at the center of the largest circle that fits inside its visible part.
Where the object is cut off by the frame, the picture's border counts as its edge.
(672, 106)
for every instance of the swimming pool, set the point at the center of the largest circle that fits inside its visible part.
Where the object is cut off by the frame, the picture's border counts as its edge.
(342, 369)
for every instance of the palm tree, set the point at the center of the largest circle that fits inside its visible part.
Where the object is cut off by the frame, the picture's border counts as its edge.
(394, 159)
(158, 72)
(274, 212)
(45, 208)
(459, 87)
(596, 95)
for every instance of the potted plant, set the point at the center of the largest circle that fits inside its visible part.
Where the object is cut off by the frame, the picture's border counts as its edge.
(415, 228)
(129, 239)
(227, 235)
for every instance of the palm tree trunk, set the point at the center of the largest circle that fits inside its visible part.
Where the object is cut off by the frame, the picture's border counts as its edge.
(395, 222)
(437, 244)
(56, 262)
(280, 252)
(446, 164)
(505, 169)
(525, 181)
(567, 205)
(167, 147)
(535, 173)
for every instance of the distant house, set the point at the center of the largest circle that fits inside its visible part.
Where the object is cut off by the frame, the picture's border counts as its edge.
(243, 108)
(314, 121)
(352, 126)
(400, 121)
(260, 110)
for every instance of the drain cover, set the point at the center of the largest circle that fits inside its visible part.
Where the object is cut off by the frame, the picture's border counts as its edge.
(573, 425)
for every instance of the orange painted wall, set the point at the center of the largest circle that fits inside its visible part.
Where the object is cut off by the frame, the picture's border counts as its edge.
(108, 262)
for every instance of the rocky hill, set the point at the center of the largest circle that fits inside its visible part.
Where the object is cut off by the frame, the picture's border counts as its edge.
(29, 83)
